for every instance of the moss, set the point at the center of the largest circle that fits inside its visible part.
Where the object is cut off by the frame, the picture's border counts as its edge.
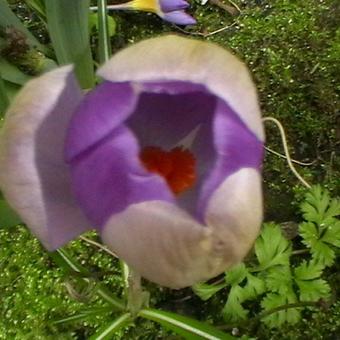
(33, 291)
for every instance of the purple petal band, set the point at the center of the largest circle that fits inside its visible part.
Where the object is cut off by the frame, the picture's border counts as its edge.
(106, 171)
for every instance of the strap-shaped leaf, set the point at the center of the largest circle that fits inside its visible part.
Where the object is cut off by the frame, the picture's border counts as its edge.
(11, 73)
(110, 329)
(186, 327)
(68, 27)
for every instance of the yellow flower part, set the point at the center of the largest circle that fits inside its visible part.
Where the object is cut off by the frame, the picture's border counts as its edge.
(145, 5)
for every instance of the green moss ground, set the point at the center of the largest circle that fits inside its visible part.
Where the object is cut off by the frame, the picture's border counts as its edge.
(292, 49)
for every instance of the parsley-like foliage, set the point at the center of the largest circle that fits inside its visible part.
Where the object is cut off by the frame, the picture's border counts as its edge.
(271, 279)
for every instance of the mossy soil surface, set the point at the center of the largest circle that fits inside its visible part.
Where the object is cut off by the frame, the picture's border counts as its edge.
(292, 49)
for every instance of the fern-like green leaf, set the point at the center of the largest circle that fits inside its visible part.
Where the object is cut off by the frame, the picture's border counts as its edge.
(308, 270)
(252, 286)
(236, 274)
(272, 248)
(233, 310)
(205, 291)
(321, 231)
(321, 251)
(274, 300)
(279, 279)
(332, 235)
(319, 208)
(311, 286)
(313, 290)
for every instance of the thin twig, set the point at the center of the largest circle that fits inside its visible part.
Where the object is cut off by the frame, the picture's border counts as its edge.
(220, 30)
(285, 147)
(235, 5)
(300, 304)
(232, 10)
(98, 245)
(283, 156)
(208, 34)
(300, 251)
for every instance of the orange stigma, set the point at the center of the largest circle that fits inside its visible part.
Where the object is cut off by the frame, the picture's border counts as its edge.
(177, 166)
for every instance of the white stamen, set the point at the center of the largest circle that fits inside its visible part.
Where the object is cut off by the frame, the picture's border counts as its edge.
(189, 139)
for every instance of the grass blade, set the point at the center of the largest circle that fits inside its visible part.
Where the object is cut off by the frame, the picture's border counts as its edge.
(109, 330)
(83, 315)
(186, 327)
(39, 7)
(67, 23)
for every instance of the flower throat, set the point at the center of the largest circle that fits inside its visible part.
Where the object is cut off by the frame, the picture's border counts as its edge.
(177, 166)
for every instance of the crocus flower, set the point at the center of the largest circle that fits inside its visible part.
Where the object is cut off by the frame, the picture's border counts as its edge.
(169, 10)
(163, 158)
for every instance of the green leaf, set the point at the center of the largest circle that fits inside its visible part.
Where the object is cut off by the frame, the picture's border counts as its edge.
(313, 290)
(8, 18)
(11, 90)
(307, 277)
(186, 327)
(321, 252)
(279, 279)
(308, 271)
(254, 287)
(272, 248)
(205, 291)
(39, 7)
(68, 28)
(84, 315)
(233, 310)
(332, 235)
(274, 300)
(321, 231)
(8, 217)
(319, 207)
(107, 331)
(236, 274)
(93, 23)
(12, 74)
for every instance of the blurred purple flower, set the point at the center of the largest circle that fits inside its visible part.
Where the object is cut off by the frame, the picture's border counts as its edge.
(169, 10)
(163, 158)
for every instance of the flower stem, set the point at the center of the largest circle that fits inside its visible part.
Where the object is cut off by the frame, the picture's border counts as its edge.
(137, 298)
(266, 313)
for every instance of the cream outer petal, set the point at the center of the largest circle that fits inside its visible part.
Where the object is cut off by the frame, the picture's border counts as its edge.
(235, 212)
(176, 58)
(33, 176)
(167, 246)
